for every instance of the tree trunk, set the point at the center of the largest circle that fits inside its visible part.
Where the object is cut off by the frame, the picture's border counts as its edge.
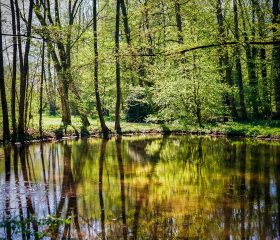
(224, 61)
(80, 108)
(24, 74)
(276, 56)
(6, 129)
(104, 128)
(14, 73)
(180, 29)
(42, 82)
(118, 70)
(238, 65)
(41, 90)
(251, 65)
(125, 23)
(179, 22)
(64, 98)
(51, 88)
(266, 100)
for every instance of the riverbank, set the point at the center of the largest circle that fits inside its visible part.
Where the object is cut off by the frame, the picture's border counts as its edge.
(268, 130)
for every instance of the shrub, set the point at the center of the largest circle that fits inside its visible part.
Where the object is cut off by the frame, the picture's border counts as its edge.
(138, 107)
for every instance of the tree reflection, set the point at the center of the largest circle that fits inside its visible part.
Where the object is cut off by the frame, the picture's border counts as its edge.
(68, 198)
(120, 161)
(277, 171)
(27, 186)
(100, 186)
(7, 154)
(242, 187)
(157, 188)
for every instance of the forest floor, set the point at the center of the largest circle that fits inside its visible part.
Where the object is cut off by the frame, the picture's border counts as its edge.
(264, 129)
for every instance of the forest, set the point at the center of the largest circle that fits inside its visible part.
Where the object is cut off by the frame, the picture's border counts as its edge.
(106, 63)
(139, 119)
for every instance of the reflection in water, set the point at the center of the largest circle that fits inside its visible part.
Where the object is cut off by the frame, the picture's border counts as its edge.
(100, 181)
(141, 188)
(120, 161)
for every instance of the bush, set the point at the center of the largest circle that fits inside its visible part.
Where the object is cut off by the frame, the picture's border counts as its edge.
(59, 133)
(138, 107)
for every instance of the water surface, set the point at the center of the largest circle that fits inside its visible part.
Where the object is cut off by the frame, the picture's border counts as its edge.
(141, 188)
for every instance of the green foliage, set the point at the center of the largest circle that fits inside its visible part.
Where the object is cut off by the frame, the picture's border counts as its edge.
(59, 132)
(181, 93)
(138, 106)
(47, 226)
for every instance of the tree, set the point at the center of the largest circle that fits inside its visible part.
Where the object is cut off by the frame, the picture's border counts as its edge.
(251, 53)
(224, 61)
(60, 51)
(24, 66)
(14, 73)
(266, 103)
(243, 112)
(5, 114)
(99, 109)
(276, 53)
(118, 70)
(42, 81)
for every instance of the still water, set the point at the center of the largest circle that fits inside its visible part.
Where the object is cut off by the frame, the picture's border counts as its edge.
(174, 187)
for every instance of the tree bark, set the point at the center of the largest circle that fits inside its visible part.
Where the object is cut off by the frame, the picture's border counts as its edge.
(64, 97)
(224, 61)
(251, 65)
(24, 74)
(125, 23)
(118, 70)
(238, 65)
(50, 88)
(276, 55)
(42, 83)
(81, 109)
(14, 73)
(266, 100)
(5, 114)
(104, 128)
(179, 22)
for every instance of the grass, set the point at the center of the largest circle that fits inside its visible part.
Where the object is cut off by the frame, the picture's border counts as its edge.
(259, 129)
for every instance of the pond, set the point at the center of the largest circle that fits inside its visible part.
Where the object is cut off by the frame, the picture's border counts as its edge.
(157, 187)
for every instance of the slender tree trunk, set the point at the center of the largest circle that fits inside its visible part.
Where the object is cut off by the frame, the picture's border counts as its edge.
(125, 23)
(14, 73)
(41, 89)
(224, 61)
(148, 33)
(118, 70)
(276, 56)
(24, 76)
(105, 130)
(251, 65)
(6, 129)
(179, 22)
(42, 81)
(266, 99)
(64, 97)
(238, 65)
(50, 88)
(80, 108)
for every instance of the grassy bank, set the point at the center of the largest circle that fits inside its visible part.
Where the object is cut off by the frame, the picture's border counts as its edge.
(258, 129)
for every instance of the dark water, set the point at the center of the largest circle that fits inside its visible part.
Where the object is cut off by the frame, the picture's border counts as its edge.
(141, 188)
